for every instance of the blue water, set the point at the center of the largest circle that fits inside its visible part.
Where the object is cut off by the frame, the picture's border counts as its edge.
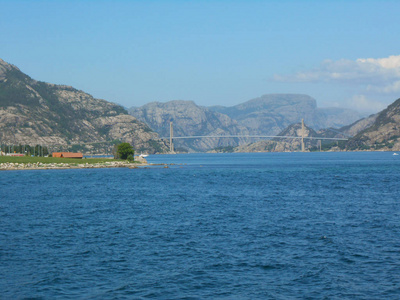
(219, 226)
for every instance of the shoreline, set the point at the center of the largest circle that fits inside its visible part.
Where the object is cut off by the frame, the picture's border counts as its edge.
(64, 166)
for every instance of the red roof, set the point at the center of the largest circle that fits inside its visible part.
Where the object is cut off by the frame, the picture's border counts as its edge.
(67, 154)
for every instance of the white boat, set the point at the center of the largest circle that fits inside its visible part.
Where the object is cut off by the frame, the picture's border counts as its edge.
(395, 153)
(143, 155)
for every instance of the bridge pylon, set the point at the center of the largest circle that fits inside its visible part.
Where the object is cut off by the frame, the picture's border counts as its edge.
(303, 148)
(171, 135)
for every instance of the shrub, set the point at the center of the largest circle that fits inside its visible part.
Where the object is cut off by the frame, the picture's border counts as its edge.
(124, 150)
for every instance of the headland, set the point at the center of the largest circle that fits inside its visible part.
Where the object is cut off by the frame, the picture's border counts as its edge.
(45, 163)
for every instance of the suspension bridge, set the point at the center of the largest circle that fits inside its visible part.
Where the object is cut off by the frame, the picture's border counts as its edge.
(302, 137)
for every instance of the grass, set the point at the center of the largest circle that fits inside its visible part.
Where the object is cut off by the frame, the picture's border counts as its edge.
(54, 160)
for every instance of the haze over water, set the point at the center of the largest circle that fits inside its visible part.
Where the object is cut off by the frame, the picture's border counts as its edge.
(247, 226)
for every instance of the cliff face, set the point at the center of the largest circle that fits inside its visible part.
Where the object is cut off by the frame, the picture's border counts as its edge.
(267, 115)
(34, 112)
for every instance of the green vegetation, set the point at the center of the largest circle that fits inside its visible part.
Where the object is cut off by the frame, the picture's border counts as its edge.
(54, 160)
(147, 129)
(181, 150)
(384, 144)
(156, 146)
(325, 146)
(226, 149)
(115, 142)
(364, 147)
(125, 150)
(65, 116)
(14, 90)
(104, 130)
(270, 146)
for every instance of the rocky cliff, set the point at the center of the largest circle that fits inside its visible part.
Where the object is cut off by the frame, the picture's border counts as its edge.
(34, 112)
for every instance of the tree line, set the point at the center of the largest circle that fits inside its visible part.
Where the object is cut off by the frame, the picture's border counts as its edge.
(28, 150)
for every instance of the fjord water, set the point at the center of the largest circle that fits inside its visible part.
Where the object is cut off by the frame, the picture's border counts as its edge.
(234, 226)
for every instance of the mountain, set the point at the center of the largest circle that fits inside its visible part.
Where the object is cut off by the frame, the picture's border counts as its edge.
(380, 131)
(382, 134)
(270, 114)
(266, 115)
(190, 120)
(348, 131)
(34, 112)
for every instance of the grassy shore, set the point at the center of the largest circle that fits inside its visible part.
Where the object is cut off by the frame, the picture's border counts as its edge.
(53, 160)
(41, 163)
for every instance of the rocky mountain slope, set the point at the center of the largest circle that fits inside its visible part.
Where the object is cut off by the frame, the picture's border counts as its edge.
(382, 134)
(34, 112)
(349, 130)
(267, 115)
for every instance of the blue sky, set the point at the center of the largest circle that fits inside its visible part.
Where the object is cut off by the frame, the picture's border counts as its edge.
(342, 53)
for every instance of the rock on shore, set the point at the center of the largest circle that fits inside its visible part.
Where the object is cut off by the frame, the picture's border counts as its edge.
(43, 166)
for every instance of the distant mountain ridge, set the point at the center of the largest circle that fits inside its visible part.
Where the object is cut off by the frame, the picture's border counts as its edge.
(35, 112)
(274, 112)
(266, 115)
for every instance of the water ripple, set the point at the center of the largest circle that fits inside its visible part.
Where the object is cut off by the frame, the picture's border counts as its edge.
(254, 226)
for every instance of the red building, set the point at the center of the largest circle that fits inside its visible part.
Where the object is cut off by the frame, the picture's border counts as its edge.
(67, 154)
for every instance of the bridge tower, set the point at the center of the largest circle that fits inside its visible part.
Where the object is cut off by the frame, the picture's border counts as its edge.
(171, 134)
(303, 149)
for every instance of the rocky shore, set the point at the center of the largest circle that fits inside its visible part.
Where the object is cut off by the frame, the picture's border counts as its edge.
(47, 166)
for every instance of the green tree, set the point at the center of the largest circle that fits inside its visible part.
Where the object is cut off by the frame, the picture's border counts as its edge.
(124, 150)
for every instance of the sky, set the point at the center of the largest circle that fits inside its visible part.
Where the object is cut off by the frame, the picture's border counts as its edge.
(342, 53)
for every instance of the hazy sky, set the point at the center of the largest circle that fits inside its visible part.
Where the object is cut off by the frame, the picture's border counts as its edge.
(342, 53)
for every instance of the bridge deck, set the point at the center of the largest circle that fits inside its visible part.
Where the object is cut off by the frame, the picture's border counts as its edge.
(254, 136)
